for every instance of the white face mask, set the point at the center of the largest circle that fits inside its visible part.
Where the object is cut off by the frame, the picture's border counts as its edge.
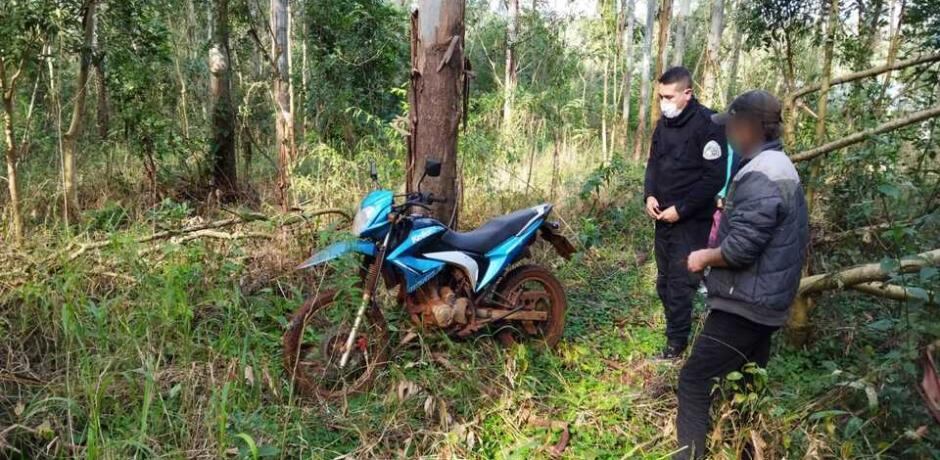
(669, 108)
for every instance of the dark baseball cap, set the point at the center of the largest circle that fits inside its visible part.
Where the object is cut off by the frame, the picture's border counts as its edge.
(755, 104)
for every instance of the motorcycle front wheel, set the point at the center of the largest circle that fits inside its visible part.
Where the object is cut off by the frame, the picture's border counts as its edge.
(315, 341)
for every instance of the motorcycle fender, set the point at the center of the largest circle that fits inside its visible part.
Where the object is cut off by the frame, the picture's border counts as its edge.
(336, 250)
(550, 233)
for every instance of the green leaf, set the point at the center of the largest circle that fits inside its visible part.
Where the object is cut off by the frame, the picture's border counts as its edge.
(852, 427)
(889, 265)
(881, 325)
(735, 376)
(250, 442)
(889, 190)
(928, 273)
(827, 414)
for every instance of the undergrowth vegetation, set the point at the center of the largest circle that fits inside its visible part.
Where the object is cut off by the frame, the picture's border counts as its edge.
(173, 350)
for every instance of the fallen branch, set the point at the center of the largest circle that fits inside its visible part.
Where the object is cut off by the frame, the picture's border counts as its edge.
(207, 230)
(861, 136)
(895, 292)
(850, 77)
(865, 274)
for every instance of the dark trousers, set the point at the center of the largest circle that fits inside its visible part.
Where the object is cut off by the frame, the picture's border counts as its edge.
(726, 343)
(674, 284)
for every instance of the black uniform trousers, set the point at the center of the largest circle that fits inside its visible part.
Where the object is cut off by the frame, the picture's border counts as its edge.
(726, 343)
(674, 284)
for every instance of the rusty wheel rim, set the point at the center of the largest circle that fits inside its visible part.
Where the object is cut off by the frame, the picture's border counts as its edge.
(535, 288)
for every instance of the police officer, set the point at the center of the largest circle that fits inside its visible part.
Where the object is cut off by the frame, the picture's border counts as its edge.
(685, 171)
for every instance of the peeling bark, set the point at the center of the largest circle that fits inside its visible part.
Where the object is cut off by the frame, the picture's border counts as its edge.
(222, 108)
(639, 148)
(436, 99)
(662, 43)
(284, 127)
(712, 49)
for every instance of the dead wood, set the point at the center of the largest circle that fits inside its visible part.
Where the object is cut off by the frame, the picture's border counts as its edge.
(866, 274)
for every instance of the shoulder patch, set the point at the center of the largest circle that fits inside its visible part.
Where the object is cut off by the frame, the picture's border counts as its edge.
(712, 151)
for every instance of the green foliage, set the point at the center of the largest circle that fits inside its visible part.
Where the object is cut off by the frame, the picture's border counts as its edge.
(357, 53)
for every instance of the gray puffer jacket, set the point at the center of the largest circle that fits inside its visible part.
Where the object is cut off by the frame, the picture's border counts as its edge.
(763, 237)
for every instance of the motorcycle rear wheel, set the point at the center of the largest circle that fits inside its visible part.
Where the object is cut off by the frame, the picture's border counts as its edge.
(313, 344)
(534, 287)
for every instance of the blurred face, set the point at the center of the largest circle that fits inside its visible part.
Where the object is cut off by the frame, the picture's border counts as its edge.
(673, 98)
(744, 135)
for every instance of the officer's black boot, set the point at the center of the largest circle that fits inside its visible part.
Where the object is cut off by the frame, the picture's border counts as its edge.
(673, 350)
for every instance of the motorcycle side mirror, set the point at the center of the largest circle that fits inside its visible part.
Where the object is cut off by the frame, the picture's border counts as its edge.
(373, 171)
(432, 168)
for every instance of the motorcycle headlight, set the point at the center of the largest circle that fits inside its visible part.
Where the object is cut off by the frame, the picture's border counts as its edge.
(363, 218)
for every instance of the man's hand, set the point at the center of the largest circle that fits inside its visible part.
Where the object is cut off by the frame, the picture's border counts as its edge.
(702, 258)
(669, 215)
(652, 207)
(698, 260)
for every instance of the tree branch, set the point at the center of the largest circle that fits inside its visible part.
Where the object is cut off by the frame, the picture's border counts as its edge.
(861, 136)
(850, 77)
(895, 292)
(865, 273)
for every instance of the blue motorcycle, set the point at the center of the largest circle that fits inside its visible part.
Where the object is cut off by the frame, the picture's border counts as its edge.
(459, 282)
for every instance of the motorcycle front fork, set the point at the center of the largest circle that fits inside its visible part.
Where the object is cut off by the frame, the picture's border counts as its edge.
(368, 291)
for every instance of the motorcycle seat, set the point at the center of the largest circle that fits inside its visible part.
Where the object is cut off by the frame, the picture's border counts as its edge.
(493, 232)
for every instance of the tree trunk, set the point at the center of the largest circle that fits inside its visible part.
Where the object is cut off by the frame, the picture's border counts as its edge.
(892, 54)
(713, 46)
(221, 106)
(737, 39)
(284, 127)
(682, 16)
(640, 139)
(436, 98)
(629, 24)
(70, 139)
(103, 109)
(7, 86)
(304, 76)
(665, 14)
(823, 104)
(509, 83)
(604, 107)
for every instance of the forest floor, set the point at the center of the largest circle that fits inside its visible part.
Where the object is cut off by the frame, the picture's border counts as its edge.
(176, 354)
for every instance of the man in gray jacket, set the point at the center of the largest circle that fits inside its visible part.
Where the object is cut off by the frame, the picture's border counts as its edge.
(755, 270)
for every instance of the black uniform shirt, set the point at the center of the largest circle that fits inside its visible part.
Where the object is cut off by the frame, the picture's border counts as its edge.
(687, 162)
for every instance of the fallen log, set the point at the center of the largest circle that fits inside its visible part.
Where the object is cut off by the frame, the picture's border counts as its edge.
(865, 273)
(867, 278)
(900, 293)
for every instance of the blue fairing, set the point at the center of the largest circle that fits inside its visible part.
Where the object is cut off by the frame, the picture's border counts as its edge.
(417, 271)
(507, 252)
(337, 249)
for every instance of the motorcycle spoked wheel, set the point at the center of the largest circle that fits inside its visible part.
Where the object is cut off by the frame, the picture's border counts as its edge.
(314, 342)
(535, 288)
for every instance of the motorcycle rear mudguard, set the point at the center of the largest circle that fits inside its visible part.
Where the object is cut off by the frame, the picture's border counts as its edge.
(335, 250)
(550, 233)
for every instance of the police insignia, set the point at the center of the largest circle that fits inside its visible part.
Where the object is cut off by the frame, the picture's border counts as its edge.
(711, 151)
